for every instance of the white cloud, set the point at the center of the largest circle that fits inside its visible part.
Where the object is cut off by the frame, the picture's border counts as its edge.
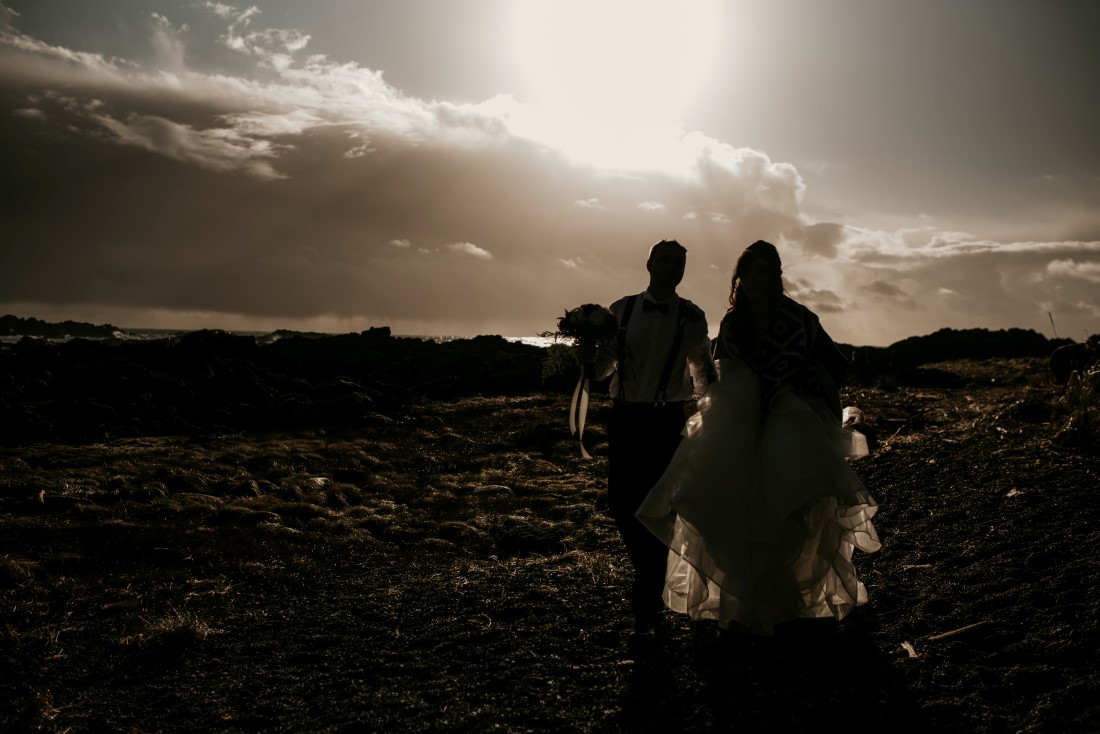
(358, 151)
(221, 9)
(302, 96)
(217, 149)
(592, 203)
(168, 47)
(272, 124)
(1089, 271)
(28, 58)
(403, 243)
(691, 217)
(7, 16)
(469, 248)
(651, 206)
(573, 263)
(238, 19)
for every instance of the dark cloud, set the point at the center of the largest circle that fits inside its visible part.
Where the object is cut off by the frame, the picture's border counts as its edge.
(823, 301)
(820, 240)
(889, 292)
(983, 284)
(883, 288)
(820, 300)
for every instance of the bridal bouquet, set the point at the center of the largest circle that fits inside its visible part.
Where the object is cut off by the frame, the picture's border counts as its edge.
(587, 324)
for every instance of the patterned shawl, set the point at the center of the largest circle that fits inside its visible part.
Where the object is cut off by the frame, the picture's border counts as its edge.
(796, 353)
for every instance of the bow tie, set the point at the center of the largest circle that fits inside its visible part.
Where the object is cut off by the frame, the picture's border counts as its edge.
(648, 305)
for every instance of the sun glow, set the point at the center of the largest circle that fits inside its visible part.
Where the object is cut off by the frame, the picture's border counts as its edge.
(598, 70)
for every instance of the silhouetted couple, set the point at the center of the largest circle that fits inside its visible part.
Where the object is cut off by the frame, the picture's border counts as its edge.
(745, 512)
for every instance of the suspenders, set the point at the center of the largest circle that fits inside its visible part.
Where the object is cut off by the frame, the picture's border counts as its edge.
(681, 320)
(620, 346)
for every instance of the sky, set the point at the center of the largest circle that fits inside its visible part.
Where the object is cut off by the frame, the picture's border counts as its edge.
(477, 167)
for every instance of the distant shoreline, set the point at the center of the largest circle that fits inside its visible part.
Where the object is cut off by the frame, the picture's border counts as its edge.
(985, 342)
(208, 382)
(14, 328)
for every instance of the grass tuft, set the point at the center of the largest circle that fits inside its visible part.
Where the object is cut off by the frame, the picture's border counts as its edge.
(1080, 399)
(167, 639)
(14, 571)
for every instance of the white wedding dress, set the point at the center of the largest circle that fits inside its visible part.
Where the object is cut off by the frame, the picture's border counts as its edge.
(761, 516)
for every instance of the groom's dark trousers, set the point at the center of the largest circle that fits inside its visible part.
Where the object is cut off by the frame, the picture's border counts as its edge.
(641, 439)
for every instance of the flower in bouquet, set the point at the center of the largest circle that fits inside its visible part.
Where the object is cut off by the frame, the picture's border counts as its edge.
(589, 322)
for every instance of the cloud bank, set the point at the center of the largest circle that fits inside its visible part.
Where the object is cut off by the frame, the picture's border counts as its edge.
(284, 188)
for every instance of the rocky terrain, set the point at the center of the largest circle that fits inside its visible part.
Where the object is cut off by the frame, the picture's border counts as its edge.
(364, 533)
(16, 326)
(209, 382)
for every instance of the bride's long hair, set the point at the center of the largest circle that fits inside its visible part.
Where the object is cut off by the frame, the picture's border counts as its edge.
(740, 311)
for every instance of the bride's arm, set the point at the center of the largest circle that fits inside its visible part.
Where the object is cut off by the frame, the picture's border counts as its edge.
(700, 365)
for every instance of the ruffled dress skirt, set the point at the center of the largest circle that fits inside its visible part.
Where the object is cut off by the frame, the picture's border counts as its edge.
(762, 515)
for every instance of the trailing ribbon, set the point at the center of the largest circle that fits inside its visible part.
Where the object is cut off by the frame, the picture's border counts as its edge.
(578, 410)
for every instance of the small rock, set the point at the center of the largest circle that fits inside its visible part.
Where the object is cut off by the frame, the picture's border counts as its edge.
(197, 498)
(492, 489)
(243, 516)
(248, 488)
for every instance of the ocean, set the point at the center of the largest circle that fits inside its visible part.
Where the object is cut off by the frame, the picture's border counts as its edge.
(153, 334)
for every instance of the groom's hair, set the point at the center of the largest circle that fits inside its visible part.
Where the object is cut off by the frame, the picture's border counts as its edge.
(668, 243)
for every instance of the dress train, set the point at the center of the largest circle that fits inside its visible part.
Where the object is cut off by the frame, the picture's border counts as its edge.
(762, 516)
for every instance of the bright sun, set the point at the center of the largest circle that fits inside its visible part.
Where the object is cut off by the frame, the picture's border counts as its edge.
(615, 61)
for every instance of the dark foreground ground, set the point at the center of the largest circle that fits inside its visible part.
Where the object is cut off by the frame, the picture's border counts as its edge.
(449, 567)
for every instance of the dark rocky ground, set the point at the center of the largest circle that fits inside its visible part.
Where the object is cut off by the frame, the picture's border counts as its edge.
(360, 533)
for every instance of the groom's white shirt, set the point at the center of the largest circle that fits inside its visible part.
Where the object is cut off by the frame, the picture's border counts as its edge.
(649, 339)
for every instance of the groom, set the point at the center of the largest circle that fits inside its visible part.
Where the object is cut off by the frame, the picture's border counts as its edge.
(660, 359)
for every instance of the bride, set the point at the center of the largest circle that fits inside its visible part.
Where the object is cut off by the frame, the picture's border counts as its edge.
(759, 508)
